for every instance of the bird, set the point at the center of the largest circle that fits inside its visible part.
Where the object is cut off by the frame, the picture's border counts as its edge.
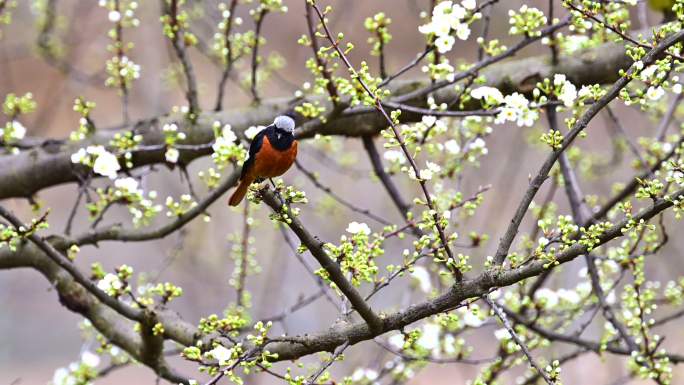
(271, 153)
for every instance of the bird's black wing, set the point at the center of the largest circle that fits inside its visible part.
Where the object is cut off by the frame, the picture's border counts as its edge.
(254, 148)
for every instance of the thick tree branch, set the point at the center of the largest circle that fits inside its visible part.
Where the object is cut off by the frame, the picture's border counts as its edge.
(48, 164)
(295, 347)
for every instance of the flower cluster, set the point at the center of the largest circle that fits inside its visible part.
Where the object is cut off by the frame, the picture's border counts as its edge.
(171, 136)
(357, 253)
(427, 173)
(565, 90)
(6, 14)
(13, 130)
(352, 87)
(448, 17)
(514, 107)
(81, 372)
(121, 70)
(176, 23)
(141, 208)
(12, 237)
(180, 207)
(227, 148)
(85, 125)
(526, 21)
(227, 46)
(378, 27)
(114, 285)
(99, 159)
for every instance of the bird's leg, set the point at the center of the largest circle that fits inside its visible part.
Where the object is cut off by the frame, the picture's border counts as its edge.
(275, 189)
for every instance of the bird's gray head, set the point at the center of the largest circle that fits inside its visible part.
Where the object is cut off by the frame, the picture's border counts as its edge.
(285, 123)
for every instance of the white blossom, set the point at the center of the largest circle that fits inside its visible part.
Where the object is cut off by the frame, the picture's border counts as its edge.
(677, 88)
(109, 283)
(90, 359)
(547, 296)
(397, 341)
(449, 344)
(114, 16)
(462, 31)
(448, 17)
(221, 354)
(569, 296)
(452, 146)
(422, 276)
(228, 134)
(478, 145)
(361, 374)
(356, 228)
(648, 72)
(489, 94)
(106, 164)
(432, 168)
(655, 93)
(62, 376)
(428, 120)
(516, 108)
(568, 91)
(18, 131)
(468, 4)
(445, 43)
(543, 241)
(226, 141)
(470, 319)
(128, 185)
(170, 127)
(394, 156)
(78, 156)
(252, 131)
(429, 338)
(573, 43)
(171, 155)
(502, 334)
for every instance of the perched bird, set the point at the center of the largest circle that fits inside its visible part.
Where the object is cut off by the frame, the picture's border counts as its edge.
(272, 152)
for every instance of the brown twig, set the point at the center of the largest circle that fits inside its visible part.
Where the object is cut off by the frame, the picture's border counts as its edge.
(228, 57)
(333, 269)
(443, 238)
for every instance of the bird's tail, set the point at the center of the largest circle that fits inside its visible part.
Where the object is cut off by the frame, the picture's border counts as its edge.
(240, 192)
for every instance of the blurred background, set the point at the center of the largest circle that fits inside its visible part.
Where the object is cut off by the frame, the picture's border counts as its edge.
(38, 335)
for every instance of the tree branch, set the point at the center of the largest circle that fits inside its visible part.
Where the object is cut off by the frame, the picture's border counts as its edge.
(315, 246)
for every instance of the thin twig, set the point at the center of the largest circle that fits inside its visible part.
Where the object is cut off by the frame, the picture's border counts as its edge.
(500, 314)
(632, 146)
(314, 179)
(338, 352)
(228, 57)
(179, 47)
(242, 275)
(667, 118)
(120, 307)
(255, 54)
(378, 105)
(333, 269)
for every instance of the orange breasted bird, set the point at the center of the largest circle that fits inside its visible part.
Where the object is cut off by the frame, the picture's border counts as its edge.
(272, 152)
